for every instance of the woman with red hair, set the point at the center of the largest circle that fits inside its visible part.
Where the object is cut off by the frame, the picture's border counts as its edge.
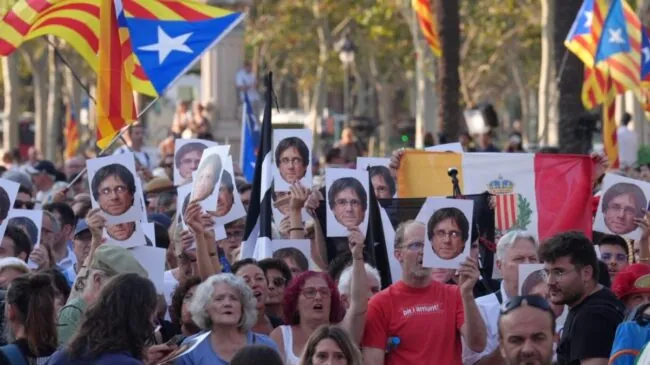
(312, 300)
(632, 285)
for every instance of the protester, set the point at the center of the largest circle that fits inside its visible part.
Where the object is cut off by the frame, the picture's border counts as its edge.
(513, 249)
(135, 144)
(278, 275)
(614, 253)
(431, 334)
(632, 286)
(253, 275)
(81, 243)
(64, 257)
(345, 284)
(43, 176)
(103, 262)
(527, 331)
(115, 328)
(330, 345)
(572, 269)
(255, 355)
(180, 303)
(224, 305)
(10, 269)
(15, 243)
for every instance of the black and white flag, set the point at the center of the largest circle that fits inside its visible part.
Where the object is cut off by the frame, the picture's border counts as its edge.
(257, 238)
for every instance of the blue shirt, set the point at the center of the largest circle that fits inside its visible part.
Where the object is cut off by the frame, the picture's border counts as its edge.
(61, 358)
(70, 275)
(225, 265)
(203, 354)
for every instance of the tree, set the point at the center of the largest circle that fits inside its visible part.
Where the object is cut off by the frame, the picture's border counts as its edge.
(11, 84)
(547, 87)
(570, 72)
(449, 113)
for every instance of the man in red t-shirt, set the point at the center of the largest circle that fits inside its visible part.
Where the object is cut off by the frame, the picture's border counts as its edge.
(425, 316)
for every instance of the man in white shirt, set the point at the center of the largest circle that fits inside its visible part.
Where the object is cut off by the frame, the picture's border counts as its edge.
(628, 145)
(247, 85)
(513, 249)
(136, 142)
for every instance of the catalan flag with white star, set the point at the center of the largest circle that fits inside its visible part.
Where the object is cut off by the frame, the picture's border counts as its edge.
(618, 50)
(167, 37)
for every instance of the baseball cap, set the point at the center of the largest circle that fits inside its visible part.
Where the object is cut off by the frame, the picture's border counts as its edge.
(115, 260)
(43, 166)
(81, 227)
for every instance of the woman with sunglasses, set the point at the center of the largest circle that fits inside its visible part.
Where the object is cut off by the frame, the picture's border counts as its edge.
(312, 300)
(278, 276)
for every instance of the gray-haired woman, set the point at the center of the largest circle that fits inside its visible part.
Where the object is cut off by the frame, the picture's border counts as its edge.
(224, 305)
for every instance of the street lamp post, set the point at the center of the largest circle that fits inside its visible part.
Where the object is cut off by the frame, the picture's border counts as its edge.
(347, 49)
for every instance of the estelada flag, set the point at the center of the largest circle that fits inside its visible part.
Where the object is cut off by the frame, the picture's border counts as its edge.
(543, 194)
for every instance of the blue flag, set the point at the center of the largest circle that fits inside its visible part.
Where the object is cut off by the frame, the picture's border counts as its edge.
(614, 38)
(645, 54)
(168, 38)
(250, 140)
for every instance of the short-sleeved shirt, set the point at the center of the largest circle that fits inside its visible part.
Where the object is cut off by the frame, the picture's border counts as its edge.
(590, 328)
(427, 322)
(69, 318)
(204, 354)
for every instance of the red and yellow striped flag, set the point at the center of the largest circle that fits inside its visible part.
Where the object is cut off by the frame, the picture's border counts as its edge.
(593, 87)
(71, 132)
(75, 21)
(115, 106)
(610, 140)
(428, 24)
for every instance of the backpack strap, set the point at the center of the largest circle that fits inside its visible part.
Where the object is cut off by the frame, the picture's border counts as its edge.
(13, 354)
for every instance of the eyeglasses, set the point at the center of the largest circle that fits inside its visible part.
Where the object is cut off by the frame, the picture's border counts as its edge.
(607, 256)
(21, 204)
(310, 293)
(187, 161)
(413, 246)
(557, 273)
(234, 234)
(354, 203)
(119, 190)
(291, 161)
(279, 281)
(534, 301)
(618, 208)
(442, 234)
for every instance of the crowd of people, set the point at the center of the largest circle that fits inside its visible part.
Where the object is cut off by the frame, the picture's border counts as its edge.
(71, 298)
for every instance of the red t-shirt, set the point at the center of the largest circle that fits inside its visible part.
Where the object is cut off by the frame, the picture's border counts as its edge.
(426, 320)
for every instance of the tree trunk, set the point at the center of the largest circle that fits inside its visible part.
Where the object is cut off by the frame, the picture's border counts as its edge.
(517, 71)
(54, 146)
(37, 58)
(449, 113)
(546, 73)
(319, 94)
(570, 108)
(11, 84)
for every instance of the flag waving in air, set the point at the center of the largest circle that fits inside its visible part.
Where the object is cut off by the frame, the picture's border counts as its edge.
(579, 40)
(257, 238)
(167, 37)
(427, 24)
(250, 134)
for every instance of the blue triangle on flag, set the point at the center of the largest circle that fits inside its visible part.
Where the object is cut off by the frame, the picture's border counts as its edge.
(582, 23)
(614, 38)
(166, 49)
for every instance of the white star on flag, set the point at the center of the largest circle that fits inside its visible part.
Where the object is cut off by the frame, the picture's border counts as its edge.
(589, 18)
(167, 45)
(646, 54)
(616, 36)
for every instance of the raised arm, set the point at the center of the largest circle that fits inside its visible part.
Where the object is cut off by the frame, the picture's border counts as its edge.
(96, 223)
(355, 318)
(194, 221)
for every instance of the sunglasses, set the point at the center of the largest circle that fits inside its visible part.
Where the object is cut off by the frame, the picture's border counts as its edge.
(278, 282)
(20, 204)
(534, 301)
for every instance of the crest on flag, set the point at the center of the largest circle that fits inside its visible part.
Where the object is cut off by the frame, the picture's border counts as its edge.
(511, 210)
